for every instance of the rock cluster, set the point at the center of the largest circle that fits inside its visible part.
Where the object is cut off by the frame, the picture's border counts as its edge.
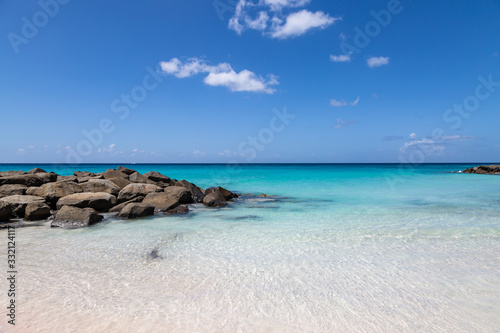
(76, 201)
(484, 169)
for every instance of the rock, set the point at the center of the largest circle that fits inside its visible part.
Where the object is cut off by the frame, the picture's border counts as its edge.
(36, 211)
(36, 170)
(35, 179)
(484, 169)
(135, 210)
(11, 173)
(99, 201)
(73, 217)
(228, 195)
(138, 178)
(83, 174)
(196, 192)
(86, 179)
(18, 203)
(214, 199)
(31, 190)
(170, 198)
(14, 189)
(182, 209)
(101, 185)
(112, 173)
(5, 212)
(118, 208)
(52, 192)
(134, 190)
(67, 179)
(120, 182)
(126, 171)
(157, 177)
(263, 195)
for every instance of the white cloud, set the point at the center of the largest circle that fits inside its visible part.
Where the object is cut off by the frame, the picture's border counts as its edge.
(198, 153)
(425, 145)
(344, 123)
(340, 58)
(457, 138)
(413, 136)
(220, 75)
(339, 103)
(301, 22)
(377, 61)
(267, 17)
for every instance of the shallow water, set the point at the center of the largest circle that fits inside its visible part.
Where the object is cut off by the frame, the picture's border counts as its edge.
(342, 248)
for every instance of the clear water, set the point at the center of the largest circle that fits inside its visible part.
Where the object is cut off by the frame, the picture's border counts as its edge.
(343, 248)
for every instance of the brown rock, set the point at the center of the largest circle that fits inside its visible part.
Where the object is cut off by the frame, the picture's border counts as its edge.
(14, 189)
(37, 211)
(120, 182)
(138, 178)
(214, 199)
(118, 208)
(73, 217)
(83, 174)
(196, 192)
(98, 201)
(228, 195)
(5, 212)
(11, 173)
(135, 210)
(35, 179)
(170, 198)
(181, 209)
(101, 185)
(157, 177)
(112, 173)
(134, 190)
(126, 171)
(52, 192)
(18, 203)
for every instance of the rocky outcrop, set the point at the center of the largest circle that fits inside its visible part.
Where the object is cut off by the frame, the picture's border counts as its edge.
(98, 201)
(36, 170)
(73, 217)
(138, 178)
(170, 198)
(135, 210)
(196, 192)
(133, 190)
(36, 211)
(11, 173)
(35, 179)
(112, 173)
(67, 179)
(214, 199)
(18, 203)
(14, 189)
(120, 182)
(101, 185)
(484, 169)
(5, 212)
(83, 174)
(228, 195)
(119, 207)
(52, 192)
(126, 171)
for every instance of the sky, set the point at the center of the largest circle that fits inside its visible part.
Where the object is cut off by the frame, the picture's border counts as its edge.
(249, 81)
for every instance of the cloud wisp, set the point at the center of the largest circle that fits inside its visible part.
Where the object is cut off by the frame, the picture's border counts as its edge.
(344, 123)
(268, 17)
(339, 103)
(220, 75)
(377, 61)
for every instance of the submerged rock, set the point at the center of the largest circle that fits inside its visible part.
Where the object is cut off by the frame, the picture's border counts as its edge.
(73, 217)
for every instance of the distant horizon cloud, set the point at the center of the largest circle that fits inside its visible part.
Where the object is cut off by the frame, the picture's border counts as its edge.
(270, 20)
(377, 61)
(220, 75)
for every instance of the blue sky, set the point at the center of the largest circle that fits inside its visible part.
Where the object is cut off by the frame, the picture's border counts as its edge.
(249, 81)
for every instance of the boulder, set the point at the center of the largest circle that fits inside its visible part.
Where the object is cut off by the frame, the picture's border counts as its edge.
(101, 185)
(119, 207)
(138, 178)
(99, 201)
(37, 211)
(135, 210)
(86, 179)
(181, 209)
(52, 192)
(196, 192)
(120, 182)
(134, 190)
(5, 212)
(11, 173)
(112, 173)
(126, 171)
(73, 217)
(31, 190)
(36, 170)
(83, 174)
(18, 203)
(214, 199)
(228, 195)
(484, 169)
(34, 179)
(14, 189)
(170, 198)
(157, 177)
(67, 179)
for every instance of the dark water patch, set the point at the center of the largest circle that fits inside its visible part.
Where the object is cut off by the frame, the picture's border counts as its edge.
(153, 254)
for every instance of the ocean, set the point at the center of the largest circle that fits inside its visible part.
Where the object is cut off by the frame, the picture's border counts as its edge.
(334, 248)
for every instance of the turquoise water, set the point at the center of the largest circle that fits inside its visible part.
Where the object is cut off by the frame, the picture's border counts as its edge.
(340, 248)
